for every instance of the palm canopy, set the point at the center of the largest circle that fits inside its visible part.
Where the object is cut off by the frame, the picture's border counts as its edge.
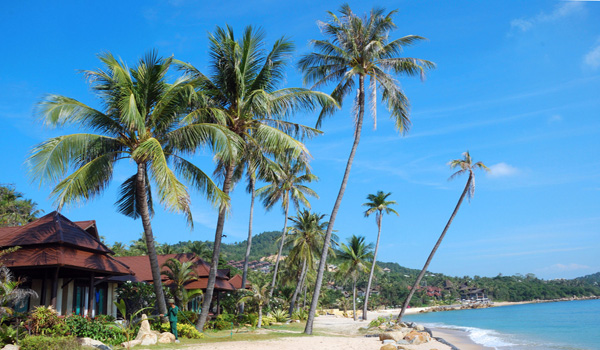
(242, 91)
(355, 257)
(287, 183)
(144, 118)
(466, 165)
(307, 236)
(360, 47)
(378, 203)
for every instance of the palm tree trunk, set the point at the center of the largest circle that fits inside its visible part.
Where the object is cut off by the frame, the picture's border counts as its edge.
(354, 300)
(212, 276)
(437, 244)
(364, 317)
(305, 291)
(142, 203)
(323, 262)
(287, 206)
(298, 288)
(259, 316)
(249, 242)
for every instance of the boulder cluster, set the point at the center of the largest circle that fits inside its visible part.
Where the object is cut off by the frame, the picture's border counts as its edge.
(394, 336)
(146, 336)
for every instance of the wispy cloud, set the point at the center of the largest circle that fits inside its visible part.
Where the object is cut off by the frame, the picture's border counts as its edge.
(561, 11)
(502, 170)
(592, 58)
(564, 267)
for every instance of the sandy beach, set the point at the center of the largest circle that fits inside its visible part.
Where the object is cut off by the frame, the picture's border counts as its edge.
(343, 333)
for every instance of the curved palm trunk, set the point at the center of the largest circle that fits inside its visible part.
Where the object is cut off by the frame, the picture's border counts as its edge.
(368, 292)
(323, 262)
(298, 288)
(280, 249)
(142, 202)
(212, 276)
(354, 300)
(439, 241)
(249, 242)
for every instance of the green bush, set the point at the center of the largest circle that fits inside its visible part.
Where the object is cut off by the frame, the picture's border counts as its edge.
(279, 315)
(97, 328)
(222, 321)
(267, 321)
(9, 335)
(43, 320)
(183, 330)
(40, 342)
(190, 315)
(249, 318)
(301, 315)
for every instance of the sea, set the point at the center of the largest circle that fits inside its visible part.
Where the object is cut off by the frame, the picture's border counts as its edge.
(564, 325)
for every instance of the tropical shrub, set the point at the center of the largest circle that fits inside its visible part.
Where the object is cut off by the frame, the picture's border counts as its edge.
(183, 330)
(377, 322)
(137, 296)
(300, 315)
(190, 315)
(268, 320)
(41, 342)
(43, 319)
(279, 315)
(9, 334)
(249, 318)
(97, 328)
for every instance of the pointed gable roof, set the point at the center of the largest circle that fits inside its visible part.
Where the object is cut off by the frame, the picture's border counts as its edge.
(53, 228)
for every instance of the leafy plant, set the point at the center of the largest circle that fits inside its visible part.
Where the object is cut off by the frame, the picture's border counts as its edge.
(183, 330)
(129, 326)
(279, 315)
(136, 296)
(97, 328)
(10, 334)
(43, 319)
(300, 315)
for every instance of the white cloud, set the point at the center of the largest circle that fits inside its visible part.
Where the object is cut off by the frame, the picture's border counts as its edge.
(555, 118)
(563, 10)
(502, 170)
(567, 267)
(592, 58)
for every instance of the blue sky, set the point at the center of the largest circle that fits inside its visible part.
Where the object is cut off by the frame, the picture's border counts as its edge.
(517, 85)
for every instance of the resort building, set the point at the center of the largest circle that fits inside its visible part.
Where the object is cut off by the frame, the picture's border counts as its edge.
(70, 269)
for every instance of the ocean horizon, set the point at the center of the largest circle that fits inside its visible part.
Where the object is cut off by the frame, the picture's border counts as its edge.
(565, 325)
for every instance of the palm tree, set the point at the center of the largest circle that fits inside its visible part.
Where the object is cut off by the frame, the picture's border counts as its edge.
(143, 118)
(200, 249)
(10, 292)
(357, 48)
(377, 204)
(466, 165)
(355, 259)
(287, 185)
(260, 295)
(307, 234)
(242, 94)
(179, 273)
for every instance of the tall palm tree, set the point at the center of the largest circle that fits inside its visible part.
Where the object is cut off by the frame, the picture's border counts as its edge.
(201, 249)
(465, 165)
(377, 204)
(307, 234)
(179, 273)
(144, 119)
(287, 185)
(358, 48)
(355, 259)
(242, 94)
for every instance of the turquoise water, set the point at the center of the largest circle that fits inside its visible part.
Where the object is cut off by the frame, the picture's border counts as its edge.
(559, 325)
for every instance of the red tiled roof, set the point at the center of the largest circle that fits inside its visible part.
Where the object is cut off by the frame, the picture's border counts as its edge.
(56, 255)
(52, 228)
(201, 283)
(141, 265)
(236, 281)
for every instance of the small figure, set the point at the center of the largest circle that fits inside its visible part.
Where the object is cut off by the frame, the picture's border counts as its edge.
(172, 315)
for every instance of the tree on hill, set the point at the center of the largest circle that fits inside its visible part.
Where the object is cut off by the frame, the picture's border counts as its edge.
(357, 49)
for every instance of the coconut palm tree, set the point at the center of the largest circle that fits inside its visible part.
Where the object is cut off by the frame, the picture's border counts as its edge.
(355, 259)
(201, 249)
(465, 165)
(144, 119)
(307, 233)
(287, 185)
(242, 93)
(260, 295)
(179, 273)
(358, 48)
(377, 204)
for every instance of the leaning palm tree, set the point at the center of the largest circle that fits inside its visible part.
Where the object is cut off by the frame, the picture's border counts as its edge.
(465, 165)
(287, 185)
(355, 259)
(358, 48)
(307, 234)
(179, 274)
(242, 94)
(377, 204)
(143, 119)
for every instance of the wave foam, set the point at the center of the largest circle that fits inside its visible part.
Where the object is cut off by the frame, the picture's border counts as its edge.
(485, 337)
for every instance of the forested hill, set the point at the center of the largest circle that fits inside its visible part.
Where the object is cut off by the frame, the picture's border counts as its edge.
(264, 244)
(593, 278)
